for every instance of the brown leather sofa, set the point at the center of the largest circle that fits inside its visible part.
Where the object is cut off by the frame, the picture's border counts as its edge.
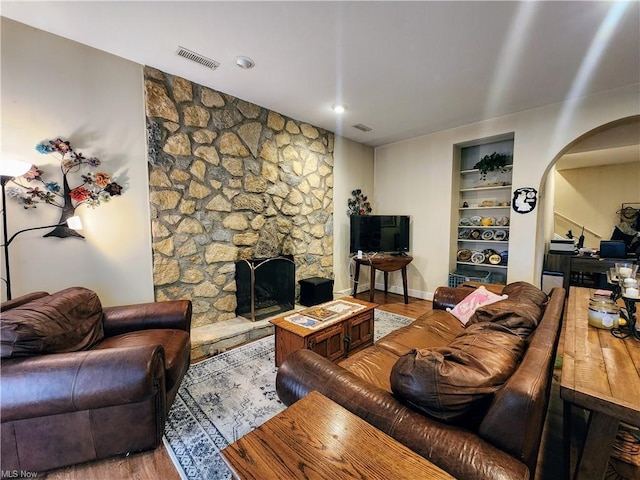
(499, 436)
(81, 382)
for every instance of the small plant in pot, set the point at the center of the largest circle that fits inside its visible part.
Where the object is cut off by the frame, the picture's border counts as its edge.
(493, 162)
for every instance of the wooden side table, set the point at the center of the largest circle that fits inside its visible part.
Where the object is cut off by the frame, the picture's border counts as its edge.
(600, 373)
(386, 263)
(315, 438)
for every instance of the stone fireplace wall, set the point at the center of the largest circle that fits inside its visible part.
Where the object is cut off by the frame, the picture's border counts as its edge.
(231, 180)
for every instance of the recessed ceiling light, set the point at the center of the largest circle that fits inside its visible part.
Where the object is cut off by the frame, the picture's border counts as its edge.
(340, 108)
(245, 62)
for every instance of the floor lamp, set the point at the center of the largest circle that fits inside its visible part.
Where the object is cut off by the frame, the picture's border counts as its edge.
(8, 170)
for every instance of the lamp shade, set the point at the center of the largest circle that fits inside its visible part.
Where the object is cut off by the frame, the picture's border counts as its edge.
(13, 168)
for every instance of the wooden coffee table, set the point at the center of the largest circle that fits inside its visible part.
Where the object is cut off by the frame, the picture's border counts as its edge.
(334, 339)
(315, 438)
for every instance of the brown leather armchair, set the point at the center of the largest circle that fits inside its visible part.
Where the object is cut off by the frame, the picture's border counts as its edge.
(62, 405)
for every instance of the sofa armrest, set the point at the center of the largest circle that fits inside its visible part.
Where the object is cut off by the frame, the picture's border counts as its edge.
(458, 451)
(448, 297)
(68, 382)
(174, 314)
(21, 300)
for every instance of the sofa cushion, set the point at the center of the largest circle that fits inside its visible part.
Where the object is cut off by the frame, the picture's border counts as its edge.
(372, 364)
(477, 298)
(436, 328)
(449, 382)
(525, 292)
(66, 321)
(520, 313)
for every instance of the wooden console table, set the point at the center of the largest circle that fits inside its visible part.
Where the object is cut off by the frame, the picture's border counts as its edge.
(600, 373)
(386, 263)
(315, 438)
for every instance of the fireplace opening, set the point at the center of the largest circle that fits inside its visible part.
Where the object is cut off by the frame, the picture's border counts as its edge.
(265, 287)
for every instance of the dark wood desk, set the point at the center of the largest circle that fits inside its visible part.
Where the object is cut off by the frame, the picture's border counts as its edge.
(600, 373)
(386, 263)
(566, 264)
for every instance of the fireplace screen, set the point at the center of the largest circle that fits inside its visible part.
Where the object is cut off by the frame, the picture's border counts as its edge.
(265, 287)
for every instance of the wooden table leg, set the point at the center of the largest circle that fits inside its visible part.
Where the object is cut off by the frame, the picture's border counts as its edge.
(566, 438)
(404, 285)
(386, 282)
(601, 433)
(355, 280)
(372, 283)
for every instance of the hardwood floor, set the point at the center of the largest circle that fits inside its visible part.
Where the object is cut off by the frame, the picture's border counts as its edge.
(157, 464)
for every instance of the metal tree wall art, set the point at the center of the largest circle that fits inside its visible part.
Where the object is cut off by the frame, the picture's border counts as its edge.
(32, 189)
(358, 203)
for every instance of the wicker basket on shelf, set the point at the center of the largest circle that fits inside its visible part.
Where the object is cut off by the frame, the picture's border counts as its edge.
(626, 446)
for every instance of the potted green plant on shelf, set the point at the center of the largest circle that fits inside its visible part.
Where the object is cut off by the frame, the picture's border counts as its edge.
(493, 162)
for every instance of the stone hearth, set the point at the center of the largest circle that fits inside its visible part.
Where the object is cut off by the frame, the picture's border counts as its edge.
(209, 340)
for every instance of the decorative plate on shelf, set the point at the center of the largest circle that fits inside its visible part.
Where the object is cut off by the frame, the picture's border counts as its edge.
(502, 221)
(464, 221)
(477, 257)
(475, 234)
(464, 234)
(487, 235)
(495, 259)
(488, 221)
(476, 220)
(464, 255)
(499, 235)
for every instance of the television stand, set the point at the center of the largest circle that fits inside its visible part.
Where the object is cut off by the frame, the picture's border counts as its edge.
(385, 263)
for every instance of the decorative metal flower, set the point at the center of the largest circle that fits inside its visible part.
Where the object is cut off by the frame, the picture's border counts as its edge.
(31, 189)
(358, 205)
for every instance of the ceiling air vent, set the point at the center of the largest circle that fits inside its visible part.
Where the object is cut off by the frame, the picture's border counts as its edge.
(362, 127)
(196, 57)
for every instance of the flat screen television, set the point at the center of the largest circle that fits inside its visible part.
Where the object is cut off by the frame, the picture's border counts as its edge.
(379, 233)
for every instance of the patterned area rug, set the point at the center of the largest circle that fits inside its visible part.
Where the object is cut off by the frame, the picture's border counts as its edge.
(224, 397)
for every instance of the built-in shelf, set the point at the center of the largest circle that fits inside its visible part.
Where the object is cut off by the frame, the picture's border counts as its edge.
(475, 170)
(494, 188)
(497, 207)
(504, 242)
(480, 227)
(483, 265)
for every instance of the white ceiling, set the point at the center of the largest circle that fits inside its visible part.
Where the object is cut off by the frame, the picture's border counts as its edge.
(403, 68)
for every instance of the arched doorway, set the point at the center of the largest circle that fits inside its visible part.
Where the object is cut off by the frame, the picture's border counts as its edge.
(589, 180)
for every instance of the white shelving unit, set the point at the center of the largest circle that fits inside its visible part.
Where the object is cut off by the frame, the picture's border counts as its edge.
(484, 212)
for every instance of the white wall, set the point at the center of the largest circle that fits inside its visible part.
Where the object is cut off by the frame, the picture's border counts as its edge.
(52, 86)
(591, 197)
(353, 168)
(55, 87)
(415, 177)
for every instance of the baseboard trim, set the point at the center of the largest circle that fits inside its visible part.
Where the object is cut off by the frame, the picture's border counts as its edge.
(392, 289)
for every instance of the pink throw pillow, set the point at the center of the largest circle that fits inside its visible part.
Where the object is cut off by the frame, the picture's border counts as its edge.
(476, 299)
